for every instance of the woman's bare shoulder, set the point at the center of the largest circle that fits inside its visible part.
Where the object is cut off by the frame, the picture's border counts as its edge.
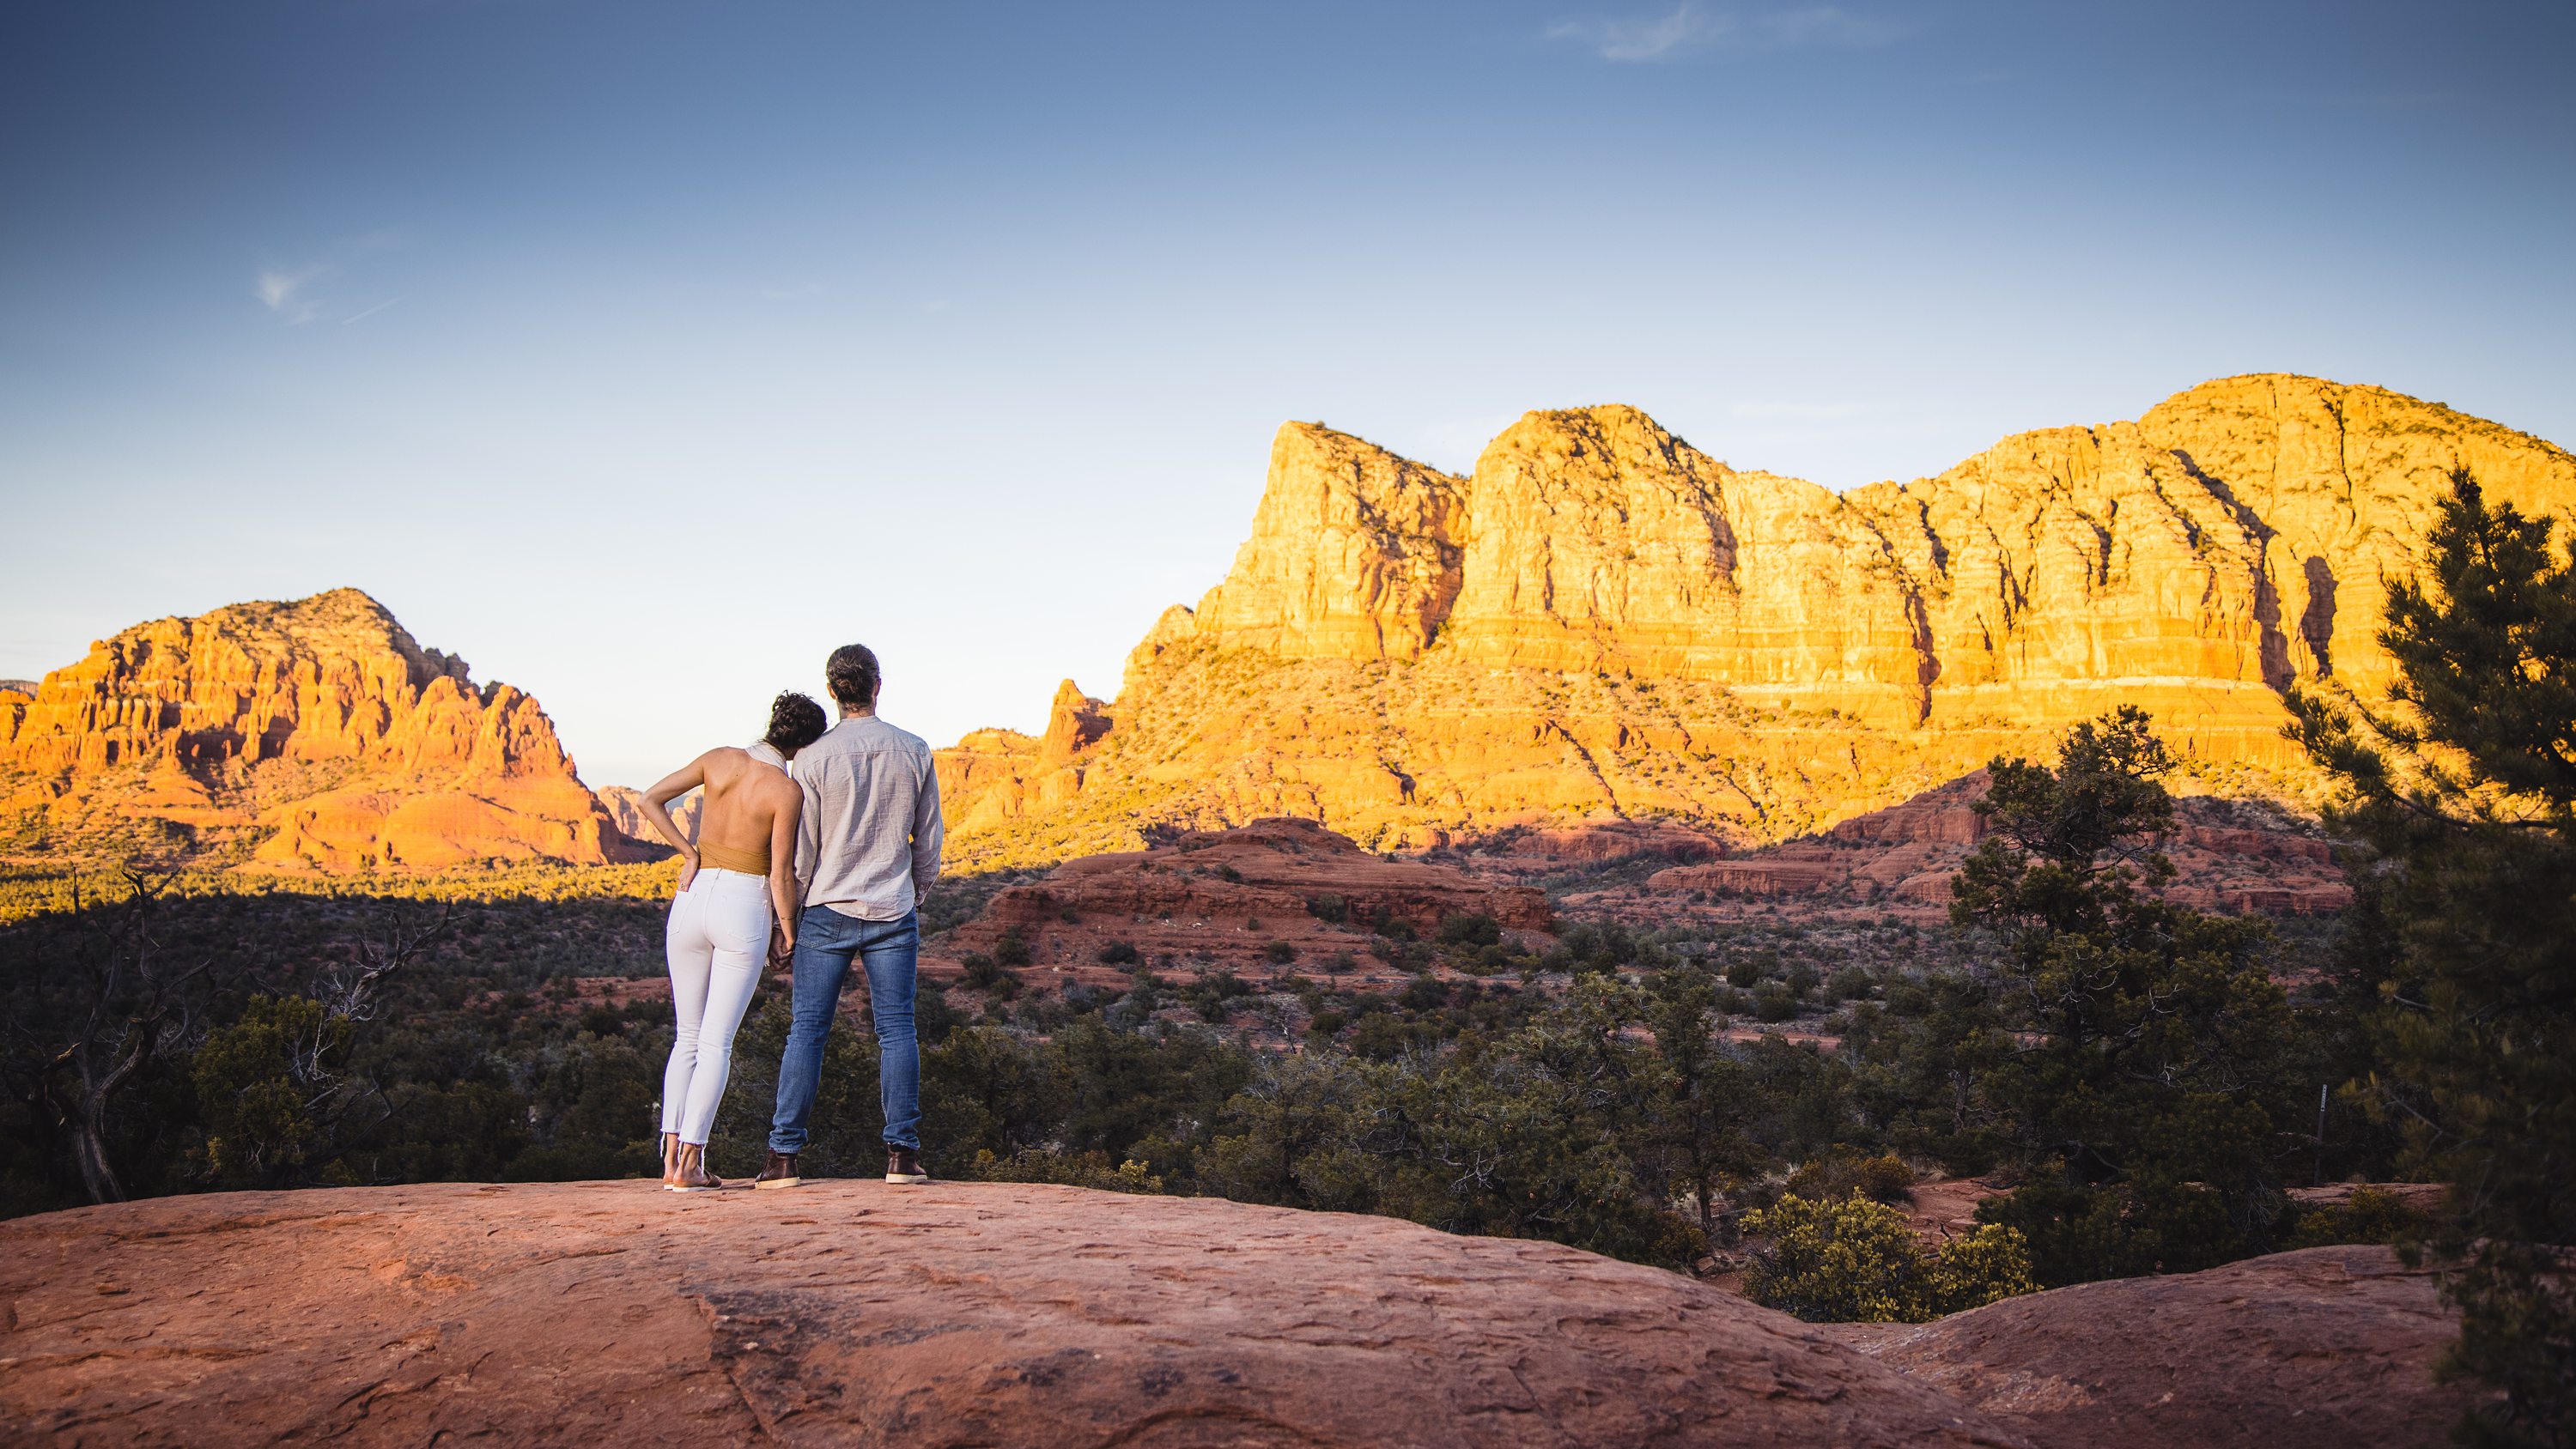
(776, 783)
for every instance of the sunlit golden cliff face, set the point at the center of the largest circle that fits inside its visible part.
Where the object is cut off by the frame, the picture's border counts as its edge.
(1603, 620)
(319, 719)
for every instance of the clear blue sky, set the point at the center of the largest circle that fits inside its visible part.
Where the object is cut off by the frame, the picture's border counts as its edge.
(641, 353)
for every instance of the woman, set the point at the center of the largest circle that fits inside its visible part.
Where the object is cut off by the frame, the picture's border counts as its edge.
(737, 877)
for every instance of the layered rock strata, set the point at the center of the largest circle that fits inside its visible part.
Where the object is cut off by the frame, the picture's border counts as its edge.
(321, 720)
(1602, 619)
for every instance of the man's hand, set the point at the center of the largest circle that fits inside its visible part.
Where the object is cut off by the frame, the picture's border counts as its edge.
(782, 946)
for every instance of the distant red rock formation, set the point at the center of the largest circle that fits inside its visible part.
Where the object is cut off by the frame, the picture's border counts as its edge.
(1221, 897)
(320, 722)
(1907, 853)
(1602, 619)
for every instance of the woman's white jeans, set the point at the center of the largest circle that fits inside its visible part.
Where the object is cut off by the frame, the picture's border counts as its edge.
(716, 941)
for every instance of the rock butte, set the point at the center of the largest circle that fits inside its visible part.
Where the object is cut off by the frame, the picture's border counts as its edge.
(1603, 620)
(321, 718)
(963, 1314)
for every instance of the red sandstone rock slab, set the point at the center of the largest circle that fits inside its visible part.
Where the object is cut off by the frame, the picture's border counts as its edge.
(1771, 873)
(1943, 815)
(1946, 1207)
(2327, 1348)
(1223, 896)
(851, 1312)
(1594, 842)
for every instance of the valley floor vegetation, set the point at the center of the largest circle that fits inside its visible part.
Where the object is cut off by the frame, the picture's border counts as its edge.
(2147, 1079)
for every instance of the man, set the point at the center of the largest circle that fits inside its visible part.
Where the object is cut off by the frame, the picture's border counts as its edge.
(866, 847)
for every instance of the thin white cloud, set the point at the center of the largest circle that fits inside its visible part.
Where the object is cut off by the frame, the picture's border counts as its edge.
(1689, 28)
(1649, 38)
(362, 316)
(285, 293)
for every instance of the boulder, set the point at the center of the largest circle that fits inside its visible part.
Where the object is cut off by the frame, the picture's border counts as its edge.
(2327, 1348)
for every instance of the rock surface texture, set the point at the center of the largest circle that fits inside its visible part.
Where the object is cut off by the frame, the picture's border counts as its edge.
(2326, 1348)
(1603, 620)
(854, 1313)
(321, 719)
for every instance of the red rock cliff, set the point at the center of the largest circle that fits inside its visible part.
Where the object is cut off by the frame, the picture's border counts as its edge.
(1603, 620)
(320, 719)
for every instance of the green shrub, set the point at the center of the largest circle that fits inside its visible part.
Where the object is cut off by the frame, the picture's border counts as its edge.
(990, 976)
(1329, 908)
(1118, 953)
(2370, 1215)
(1471, 929)
(1851, 1260)
(1279, 953)
(1071, 1169)
(1843, 1173)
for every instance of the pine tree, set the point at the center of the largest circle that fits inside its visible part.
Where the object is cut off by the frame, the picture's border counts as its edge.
(2464, 801)
(2152, 1064)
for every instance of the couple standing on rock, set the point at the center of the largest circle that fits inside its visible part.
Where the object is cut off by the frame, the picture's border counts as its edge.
(833, 834)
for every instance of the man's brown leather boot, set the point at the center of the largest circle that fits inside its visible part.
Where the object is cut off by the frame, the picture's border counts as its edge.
(778, 1171)
(903, 1164)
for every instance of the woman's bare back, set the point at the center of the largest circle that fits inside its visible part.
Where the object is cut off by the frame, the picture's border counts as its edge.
(744, 797)
(747, 822)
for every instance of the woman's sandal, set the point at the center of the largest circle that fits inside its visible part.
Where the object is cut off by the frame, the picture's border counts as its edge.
(693, 1158)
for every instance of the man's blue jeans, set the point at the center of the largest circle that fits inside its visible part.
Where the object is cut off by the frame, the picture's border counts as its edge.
(825, 942)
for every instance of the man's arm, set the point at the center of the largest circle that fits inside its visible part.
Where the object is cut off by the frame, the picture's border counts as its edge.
(928, 833)
(809, 829)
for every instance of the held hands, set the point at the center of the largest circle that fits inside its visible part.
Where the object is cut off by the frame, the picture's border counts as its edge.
(782, 946)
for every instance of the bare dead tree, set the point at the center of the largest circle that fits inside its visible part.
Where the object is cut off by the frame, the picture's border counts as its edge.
(348, 990)
(348, 993)
(138, 1001)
